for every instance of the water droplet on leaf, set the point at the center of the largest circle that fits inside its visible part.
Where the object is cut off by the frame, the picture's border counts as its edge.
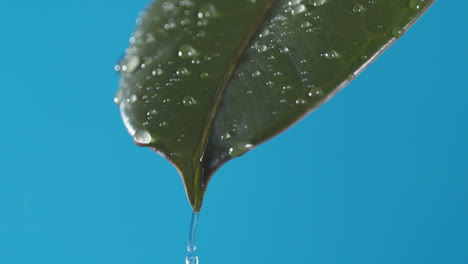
(397, 32)
(331, 54)
(256, 73)
(319, 2)
(182, 71)
(189, 100)
(207, 11)
(186, 51)
(416, 5)
(358, 8)
(306, 24)
(152, 112)
(118, 97)
(142, 137)
(204, 75)
(301, 101)
(262, 48)
(226, 136)
(132, 63)
(314, 92)
(298, 9)
(157, 72)
(239, 149)
(132, 99)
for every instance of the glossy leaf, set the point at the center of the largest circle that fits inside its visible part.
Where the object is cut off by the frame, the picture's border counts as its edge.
(206, 81)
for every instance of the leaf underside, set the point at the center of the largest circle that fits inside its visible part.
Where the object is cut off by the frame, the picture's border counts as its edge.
(206, 81)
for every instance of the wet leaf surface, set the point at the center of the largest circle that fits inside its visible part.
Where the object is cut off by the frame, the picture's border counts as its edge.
(206, 81)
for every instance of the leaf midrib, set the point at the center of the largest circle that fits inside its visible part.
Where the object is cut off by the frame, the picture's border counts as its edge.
(209, 120)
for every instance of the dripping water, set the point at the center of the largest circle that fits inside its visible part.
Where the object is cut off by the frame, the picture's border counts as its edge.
(192, 257)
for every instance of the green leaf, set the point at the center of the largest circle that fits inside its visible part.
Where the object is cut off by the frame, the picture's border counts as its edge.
(206, 81)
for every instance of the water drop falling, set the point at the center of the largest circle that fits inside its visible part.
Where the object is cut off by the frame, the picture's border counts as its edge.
(191, 257)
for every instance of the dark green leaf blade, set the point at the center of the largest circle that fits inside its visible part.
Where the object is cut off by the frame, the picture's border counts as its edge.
(179, 62)
(206, 81)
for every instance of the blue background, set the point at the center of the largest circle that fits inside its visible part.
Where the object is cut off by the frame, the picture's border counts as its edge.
(389, 152)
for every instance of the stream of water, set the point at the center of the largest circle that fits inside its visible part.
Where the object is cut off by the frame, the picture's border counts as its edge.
(192, 257)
